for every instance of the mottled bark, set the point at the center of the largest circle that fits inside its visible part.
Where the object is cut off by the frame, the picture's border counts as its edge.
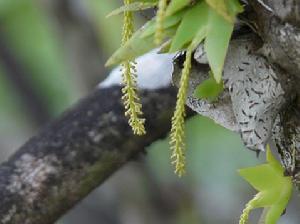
(76, 153)
(261, 79)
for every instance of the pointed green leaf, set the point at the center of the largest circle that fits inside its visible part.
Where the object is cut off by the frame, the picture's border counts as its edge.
(194, 22)
(176, 5)
(274, 188)
(216, 42)
(258, 181)
(228, 9)
(135, 6)
(208, 89)
(234, 7)
(273, 161)
(168, 22)
(136, 46)
(165, 47)
(156, 1)
(220, 7)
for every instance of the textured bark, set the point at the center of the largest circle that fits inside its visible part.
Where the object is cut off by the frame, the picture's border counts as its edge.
(261, 79)
(76, 153)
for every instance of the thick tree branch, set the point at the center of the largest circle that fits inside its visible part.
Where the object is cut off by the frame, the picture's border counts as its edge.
(76, 153)
(62, 164)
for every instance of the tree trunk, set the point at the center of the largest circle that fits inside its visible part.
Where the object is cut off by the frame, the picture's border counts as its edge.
(76, 153)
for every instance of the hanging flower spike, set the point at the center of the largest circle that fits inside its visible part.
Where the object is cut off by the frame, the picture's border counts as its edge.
(245, 214)
(177, 130)
(130, 98)
(160, 16)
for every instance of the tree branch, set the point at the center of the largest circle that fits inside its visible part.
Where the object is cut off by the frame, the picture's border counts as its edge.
(76, 153)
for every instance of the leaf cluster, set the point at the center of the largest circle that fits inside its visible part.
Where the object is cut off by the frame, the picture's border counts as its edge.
(274, 189)
(185, 22)
(181, 25)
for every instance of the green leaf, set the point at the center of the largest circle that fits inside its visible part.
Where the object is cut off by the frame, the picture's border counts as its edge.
(228, 9)
(234, 7)
(165, 47)
(274, 188)
(194, 22)
(156, 1)
(137, 45)
(168, 22)
(208, 89)
(216, 42)
(135, 6)
(192, 25)
(176, 5)
(201, 21)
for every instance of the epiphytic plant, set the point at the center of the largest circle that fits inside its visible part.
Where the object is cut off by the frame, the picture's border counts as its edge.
(181, 25)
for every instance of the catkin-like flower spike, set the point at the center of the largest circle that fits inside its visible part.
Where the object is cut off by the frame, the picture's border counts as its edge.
(131, 100)
(160, 17)
(177, 131)
(132, 104)
(249, 206)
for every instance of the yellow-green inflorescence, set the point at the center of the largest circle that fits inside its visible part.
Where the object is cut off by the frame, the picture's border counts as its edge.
(177, 135)
(160, 16)
(245, 214)
(132, 104)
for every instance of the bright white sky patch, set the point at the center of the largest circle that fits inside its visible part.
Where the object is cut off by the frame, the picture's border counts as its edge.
(153, 71)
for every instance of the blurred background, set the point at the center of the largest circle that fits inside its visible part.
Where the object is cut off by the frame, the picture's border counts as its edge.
(52, 52)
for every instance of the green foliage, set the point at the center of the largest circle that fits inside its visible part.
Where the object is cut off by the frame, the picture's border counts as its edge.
(274, 189)
(193, 22)
(209, 20)
(142, 40)
(176, 5)
(216, 43)
(160, 17)
(30, 33)
(97, 12)
(183, 25)
(227, 9)
(135, 6)
(209, 89)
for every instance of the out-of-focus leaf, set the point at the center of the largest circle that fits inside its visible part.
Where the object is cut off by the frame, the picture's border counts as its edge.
(109, 30)
(176, 5)
(156, 1)
(135, 6)
(228, 9)
(234, 7)
(11, 110)
(7, 5)
(165, 48)
(28, 31)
